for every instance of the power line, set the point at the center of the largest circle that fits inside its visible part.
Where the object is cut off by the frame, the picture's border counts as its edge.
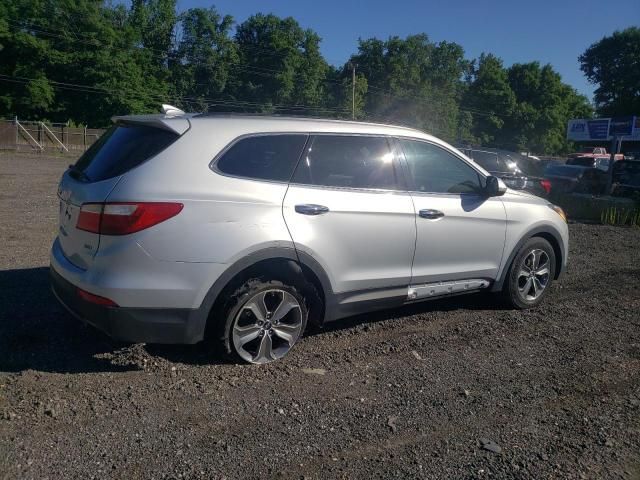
(193, 100)
(259, 71)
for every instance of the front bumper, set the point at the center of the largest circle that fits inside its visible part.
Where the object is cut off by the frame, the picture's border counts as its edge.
(148, 325)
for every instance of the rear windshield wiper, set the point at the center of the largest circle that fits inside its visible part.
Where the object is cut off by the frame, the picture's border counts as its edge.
(77, 173)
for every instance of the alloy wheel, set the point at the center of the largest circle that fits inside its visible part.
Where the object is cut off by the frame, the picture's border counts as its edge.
(533, 276)
(267, 326)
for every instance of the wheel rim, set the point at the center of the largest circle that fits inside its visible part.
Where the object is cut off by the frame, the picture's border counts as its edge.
(267, 326)
(533, 276)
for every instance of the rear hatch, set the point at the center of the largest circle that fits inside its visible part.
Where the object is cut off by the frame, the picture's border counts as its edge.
(127, 144)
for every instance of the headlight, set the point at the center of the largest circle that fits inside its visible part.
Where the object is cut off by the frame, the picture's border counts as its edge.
(558, 210)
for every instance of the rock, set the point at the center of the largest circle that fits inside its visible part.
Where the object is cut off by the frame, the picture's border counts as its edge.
(9, 416)
(281, 411)
(466, 392)
(609, 443)
(391, 422)
(314, 371)
(490, 445)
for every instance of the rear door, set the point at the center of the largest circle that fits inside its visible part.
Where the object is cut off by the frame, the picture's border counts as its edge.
(347, 207)
(460, 232)
(93, 177)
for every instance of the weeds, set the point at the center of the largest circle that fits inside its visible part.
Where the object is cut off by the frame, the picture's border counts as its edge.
(620, 216)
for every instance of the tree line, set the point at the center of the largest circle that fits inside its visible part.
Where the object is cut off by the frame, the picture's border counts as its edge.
(84, 61)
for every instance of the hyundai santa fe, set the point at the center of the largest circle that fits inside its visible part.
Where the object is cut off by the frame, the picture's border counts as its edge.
(241, 230)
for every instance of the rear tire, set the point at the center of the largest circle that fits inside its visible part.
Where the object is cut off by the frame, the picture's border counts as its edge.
(261, 322)
(530, 275)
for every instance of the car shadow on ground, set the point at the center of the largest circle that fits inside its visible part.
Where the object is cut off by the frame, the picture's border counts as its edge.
(36, 333)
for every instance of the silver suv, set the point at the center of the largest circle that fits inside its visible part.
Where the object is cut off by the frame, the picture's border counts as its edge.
(175, 228)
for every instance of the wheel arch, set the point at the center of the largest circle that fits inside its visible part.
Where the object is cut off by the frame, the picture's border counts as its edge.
(278, 263)
(547, 232)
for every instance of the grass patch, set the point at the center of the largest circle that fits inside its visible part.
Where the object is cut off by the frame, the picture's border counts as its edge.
(600, 209)
(620, 216)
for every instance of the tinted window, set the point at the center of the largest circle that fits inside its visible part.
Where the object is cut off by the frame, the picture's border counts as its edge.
(263, 157)
(122, 148)
(433, 169)
(487, 160)
(348, 161)
(582, 161)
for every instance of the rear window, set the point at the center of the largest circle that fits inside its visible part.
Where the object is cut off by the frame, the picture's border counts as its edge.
(487, 160)
(263, 157)
(122, 148)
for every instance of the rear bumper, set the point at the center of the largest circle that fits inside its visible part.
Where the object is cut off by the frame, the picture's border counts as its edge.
(148, 325)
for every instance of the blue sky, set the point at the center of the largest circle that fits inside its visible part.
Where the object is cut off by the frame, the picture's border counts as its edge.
(550, 31)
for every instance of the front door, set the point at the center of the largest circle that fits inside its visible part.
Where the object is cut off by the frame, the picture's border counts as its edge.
(460, 232)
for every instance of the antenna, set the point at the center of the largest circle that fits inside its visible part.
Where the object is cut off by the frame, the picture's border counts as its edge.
(171, 111)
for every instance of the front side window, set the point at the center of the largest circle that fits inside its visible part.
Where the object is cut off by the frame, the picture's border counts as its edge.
(348, 162)
(263, 157)
(435, 170)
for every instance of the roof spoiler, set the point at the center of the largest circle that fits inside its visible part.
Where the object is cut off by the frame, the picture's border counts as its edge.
(171, 118)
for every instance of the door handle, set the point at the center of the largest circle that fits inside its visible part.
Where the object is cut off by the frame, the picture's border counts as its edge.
(431, 214)
(311, 209)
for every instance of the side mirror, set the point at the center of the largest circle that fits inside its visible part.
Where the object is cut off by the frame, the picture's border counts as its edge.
(494, 187)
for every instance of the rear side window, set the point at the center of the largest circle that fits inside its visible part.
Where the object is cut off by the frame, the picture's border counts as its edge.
(435, 170)
(122, 148)
(263, 157)
(348, 162)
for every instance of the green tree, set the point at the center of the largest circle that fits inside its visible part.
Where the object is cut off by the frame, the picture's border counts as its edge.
(204, 61)
(281, 66)
(543, 107)
(413, 81)
(73, 59)
(489, 99)
(613, 64)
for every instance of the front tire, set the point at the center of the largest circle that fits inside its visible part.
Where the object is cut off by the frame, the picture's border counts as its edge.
(530, 274)
(262, 321)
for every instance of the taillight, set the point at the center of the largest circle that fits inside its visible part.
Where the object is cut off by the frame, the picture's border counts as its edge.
(546, 185)
(89, 217)
(122, 218)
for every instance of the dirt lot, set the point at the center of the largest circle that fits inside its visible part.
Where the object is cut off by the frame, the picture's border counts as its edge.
(402, 394)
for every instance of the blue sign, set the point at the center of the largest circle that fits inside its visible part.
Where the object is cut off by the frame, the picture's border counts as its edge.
(598, 129)
(621, 126)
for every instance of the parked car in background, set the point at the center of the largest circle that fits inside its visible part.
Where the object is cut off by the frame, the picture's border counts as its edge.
(601, 163)
(169, 234)
(626, 179)
(515, 170)
(595, 152)
(574, 179)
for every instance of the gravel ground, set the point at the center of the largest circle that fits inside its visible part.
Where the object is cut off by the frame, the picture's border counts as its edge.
(454, 388)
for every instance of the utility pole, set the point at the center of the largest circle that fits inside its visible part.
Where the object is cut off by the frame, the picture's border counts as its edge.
(353, 90)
